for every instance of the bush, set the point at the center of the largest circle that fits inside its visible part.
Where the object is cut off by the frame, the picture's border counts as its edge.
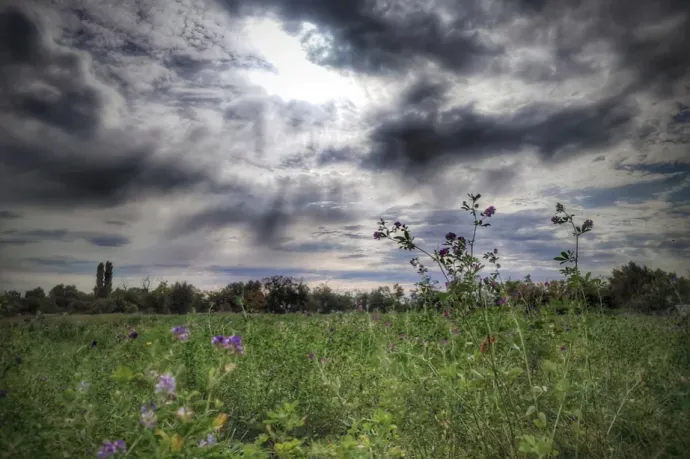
(641, 289)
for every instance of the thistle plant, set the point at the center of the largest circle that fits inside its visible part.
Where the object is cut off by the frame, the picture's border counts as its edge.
(456, 259)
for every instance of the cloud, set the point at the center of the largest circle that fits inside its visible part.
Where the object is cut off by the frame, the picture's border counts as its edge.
(212, 141)
(62, 235)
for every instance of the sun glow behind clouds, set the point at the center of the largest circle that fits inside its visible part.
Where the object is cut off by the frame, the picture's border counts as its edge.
(296, 77)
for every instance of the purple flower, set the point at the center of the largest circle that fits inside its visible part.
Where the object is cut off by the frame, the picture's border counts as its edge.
(166, 383)
(455, 332)
(110, 449)
(311, 356)
(148, 416)
(444, 251)
(229, 341)
(397, 224)
(554, 220)
(564, 348)
(210, 440)
(495, 251)
(489, 211)
(451, 236)
(500, 301)
(181, 333)
(93, 343)
(378, 235)
(133, 334)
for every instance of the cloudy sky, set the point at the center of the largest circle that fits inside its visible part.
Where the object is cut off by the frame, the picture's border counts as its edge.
(223, 140)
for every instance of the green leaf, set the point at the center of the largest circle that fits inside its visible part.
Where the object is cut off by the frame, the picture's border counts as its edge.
(531, 410)
(549, 366)
(122, 375)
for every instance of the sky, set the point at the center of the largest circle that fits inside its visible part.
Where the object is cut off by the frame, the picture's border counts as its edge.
(217, 141)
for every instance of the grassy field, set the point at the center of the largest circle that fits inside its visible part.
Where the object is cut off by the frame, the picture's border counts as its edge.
(496, 384)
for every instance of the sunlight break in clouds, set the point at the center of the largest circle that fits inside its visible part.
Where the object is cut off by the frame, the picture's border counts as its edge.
(296, 78)
(236, 139)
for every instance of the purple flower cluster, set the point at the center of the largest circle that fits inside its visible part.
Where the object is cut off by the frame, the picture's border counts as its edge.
(181, 333)
(227, 342)
(148, 415)
(210, 440)
(110, 449)
(166, 384)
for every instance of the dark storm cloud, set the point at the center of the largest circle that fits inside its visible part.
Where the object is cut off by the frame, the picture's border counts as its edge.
(76, 164)
(9, 215)
(304, 200)
(419, 140)
(375, 38)
(19, 237)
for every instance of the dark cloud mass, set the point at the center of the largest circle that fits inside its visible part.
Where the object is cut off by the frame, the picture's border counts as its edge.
(165, 132)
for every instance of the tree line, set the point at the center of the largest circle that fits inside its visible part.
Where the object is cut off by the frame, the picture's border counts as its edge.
(629, 287)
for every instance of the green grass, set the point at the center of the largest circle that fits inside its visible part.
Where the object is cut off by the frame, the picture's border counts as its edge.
(597, 386)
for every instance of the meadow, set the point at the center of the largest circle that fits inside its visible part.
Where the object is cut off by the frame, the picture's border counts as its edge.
(498, 382)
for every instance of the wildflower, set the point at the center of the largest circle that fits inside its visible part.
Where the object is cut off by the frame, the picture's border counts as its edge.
(110, 449)
(485, 344)
(166, 384)
(378, 235)
(148, 343)
(495, 251)
(311, 356)
(210, 440)
(444, 251)
(451, 236)
(564, 348)
(133, 334)
(500, 301)
(84, 386)
(184, 413)
(587, 225)
(219, 421)
(554, 220)
(455, 332)
(44, 379)
(229, 341)
(388, 323)
(148, 416)
(489, 211)
(93, 343)
(181, 333)
(446, 314)
(397, 224)
(177, 442)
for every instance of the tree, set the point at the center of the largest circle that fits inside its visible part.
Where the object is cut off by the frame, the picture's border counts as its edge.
(108, 280)
(182, 298)
(100, 275)
(285, 294)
